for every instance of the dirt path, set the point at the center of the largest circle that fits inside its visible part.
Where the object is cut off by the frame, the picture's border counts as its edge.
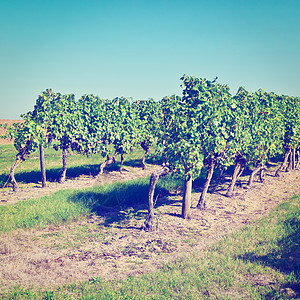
(92, 248)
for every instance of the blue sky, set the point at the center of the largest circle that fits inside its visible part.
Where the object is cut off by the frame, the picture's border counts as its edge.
(140, 49)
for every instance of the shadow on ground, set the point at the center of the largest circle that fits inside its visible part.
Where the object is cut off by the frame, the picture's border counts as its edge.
(119, 202)
(286, 258)
(53, 174)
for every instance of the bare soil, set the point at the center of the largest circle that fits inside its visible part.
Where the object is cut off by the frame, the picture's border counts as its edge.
(2, 130)
(96, 247)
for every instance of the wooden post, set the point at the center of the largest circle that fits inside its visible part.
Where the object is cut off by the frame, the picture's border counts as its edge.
(294, 159)
(64, 168)
(42, 164)
(187, 198)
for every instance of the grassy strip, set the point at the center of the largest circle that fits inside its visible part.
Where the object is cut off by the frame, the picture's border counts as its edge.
(40, 212)
(29, 171)
(67, 205)
(259, 261)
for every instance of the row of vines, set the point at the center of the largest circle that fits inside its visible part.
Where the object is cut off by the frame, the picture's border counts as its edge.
(205, 127)
(88, 126)
(208, 127)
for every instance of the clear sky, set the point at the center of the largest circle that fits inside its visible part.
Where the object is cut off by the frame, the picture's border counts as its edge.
(141, 48)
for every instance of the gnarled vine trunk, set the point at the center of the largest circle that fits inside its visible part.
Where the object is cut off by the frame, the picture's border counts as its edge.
(144, 159)
(62, 178)
(202, 204)
(262, 175)
(20, 157)
(254, 172)
(148, 225)
(108, 162)
(240, 172)
(145, 147)
(240, 166)
(285, 161)
(13, 181)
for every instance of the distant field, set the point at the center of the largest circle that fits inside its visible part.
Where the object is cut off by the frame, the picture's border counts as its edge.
(2, 130)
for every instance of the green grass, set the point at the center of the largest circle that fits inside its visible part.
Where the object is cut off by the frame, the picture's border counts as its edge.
(29, 171)
(67, 205)
(259, 261)
(54, 209)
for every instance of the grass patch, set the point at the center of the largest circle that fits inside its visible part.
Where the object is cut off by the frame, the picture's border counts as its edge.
(68, 205)
(29, 171)
(260, 261)
(40, 212)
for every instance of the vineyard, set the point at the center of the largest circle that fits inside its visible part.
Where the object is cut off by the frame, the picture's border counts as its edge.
(242, 148)
(206, 127)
